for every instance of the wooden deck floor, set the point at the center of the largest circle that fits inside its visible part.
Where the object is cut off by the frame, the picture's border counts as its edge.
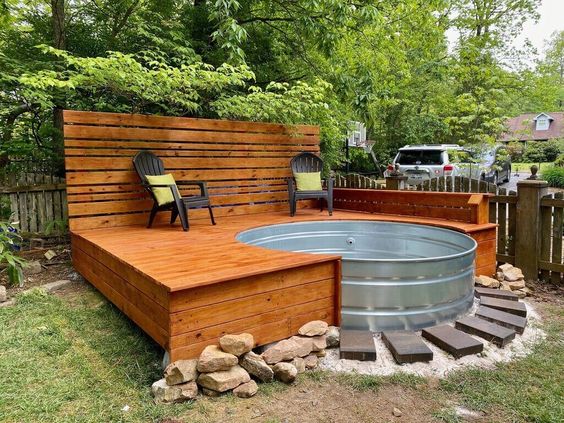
(186, 289)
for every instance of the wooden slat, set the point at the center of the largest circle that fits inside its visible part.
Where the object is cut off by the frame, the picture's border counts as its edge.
(124, 119)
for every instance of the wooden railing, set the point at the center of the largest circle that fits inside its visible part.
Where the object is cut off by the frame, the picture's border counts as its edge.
(37, 201)
(354, 180)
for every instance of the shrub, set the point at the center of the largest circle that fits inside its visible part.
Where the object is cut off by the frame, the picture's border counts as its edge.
(554, 176)
(516, 150)
(534, 153)
(559, 162)
(551, 150)
(9, 242)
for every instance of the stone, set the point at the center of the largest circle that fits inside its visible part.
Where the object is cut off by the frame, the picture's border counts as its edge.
(212, 359)
(321, 353)
(3, 294)
(299, 364)
(305, 345)
(505, 267)
(237, 344)
(452, 340)
(515, 285)
(520, 294)
(492, 332)
(246, 390)
(332, 336)
(406, 346)
(285, 372)
(164, 393)
(210, 393)
(224, 380)
(313, 328)
(56, 285)
(318, 343)
(311, 361)
(181, 371)
(513, 274)
(50, 254)
(499, 276)
(257, 367)
(486, 281)
(505, 286)
(32, 268)
(357, 345)
(397, 412)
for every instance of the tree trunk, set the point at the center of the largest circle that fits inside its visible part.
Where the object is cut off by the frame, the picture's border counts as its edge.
(59, 42)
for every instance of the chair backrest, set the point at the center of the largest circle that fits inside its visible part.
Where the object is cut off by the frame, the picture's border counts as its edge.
(146, 163)
(306, 162)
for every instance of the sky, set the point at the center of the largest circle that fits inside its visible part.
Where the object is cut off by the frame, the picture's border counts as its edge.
(551, 19)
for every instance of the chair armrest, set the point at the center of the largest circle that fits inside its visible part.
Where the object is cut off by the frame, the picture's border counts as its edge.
(202, 184)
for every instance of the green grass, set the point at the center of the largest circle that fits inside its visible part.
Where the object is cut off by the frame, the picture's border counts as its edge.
(75, 362)
(526, 167)
(79, 359)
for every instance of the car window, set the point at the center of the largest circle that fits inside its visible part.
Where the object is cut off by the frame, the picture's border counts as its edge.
(420, 157)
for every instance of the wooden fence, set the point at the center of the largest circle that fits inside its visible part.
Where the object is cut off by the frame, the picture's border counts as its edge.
(37, 201)
(353, 180)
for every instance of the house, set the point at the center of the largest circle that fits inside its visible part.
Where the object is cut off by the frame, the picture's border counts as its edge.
(534, 127)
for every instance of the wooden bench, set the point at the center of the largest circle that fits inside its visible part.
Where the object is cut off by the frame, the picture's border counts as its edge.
(186, 289)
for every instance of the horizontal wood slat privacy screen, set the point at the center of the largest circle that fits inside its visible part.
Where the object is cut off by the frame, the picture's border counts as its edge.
(245, 163)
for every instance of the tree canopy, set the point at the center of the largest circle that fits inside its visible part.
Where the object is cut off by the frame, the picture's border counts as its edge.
(387, 63)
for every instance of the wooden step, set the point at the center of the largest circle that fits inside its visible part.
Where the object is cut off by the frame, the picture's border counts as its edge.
(406, 346)
(513, 307)
(499, 335)
(508, 320)
(452, 340)
(357, 345)
(495, 293)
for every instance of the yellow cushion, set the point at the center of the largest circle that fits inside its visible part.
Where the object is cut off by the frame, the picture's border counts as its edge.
(162, 194)
(308, 181)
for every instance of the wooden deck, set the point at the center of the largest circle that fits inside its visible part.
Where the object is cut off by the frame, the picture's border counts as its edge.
(186, 289)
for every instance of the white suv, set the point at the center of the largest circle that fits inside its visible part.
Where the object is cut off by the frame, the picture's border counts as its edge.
(423, 162)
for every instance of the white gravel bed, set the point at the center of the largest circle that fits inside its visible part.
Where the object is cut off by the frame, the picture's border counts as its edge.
(442, 362)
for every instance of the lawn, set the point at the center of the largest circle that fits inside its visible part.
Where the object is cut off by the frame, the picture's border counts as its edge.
(75, 357)
(526, 167)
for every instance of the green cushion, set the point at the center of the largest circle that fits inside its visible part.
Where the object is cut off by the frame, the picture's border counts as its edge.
(309, 181)
(162, 194)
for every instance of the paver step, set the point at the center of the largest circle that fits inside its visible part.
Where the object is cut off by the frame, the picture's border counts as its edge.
(480, 292)
(492, 332)
(357, 345)
(452, 340)
(511, 321)
(406, 346)
(513, 307)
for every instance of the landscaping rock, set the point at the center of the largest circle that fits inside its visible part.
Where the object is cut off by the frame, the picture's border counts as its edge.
(164, 393)
(515, 285)
(513, 275)
(333, 337)
(237, 344)
(313, 328)
(321, 353)
(210, 393)
(397, 412)
(504, 267)
(225, 380)
(499, 276)
(520, 293)
(311, 361)
(286, 349)
(305, 345)
(32, 268)
(285, 372)
(3, 294)
(213, 359)
(505, 286)
(181, 371)
(318, 343)
(299, 364)
(486, 281)
(246, 390)
(257, 367)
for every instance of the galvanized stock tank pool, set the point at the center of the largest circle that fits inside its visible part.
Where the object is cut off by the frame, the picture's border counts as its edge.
(394, 275)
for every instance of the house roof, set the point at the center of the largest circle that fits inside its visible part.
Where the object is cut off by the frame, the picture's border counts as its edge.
(522, 127)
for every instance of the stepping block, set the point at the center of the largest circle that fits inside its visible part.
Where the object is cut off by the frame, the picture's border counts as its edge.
(513, 307)
(357, 345)
(452, 340)
(508, 320)
(495, 293)
(406, 346)
(492, 332)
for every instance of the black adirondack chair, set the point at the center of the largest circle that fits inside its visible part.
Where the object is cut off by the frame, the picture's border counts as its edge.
(303, 163)
(146, 163)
